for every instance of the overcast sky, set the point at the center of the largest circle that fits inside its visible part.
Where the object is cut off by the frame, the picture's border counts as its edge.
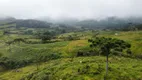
(81, 9)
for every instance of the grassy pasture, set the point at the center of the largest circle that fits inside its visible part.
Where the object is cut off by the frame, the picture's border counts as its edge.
(85, 68)
(120, 68)
(67, 48)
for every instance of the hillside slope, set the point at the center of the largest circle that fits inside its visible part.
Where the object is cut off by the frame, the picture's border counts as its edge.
(81, 68)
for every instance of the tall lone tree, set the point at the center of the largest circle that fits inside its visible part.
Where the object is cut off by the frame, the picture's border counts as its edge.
(107, 44)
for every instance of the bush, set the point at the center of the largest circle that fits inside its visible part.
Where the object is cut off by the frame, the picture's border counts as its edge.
(84, 53)
(129, 51)
(84, 70)
(12, 64)
(44, 58)
(71, 37)
(29, 32)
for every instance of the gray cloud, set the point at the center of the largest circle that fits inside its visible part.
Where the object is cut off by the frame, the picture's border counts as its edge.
(81, 9)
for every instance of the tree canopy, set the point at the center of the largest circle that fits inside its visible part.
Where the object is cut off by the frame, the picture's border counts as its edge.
(105, 45)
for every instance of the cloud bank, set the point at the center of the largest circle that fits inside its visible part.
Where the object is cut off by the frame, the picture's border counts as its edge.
(81, 9)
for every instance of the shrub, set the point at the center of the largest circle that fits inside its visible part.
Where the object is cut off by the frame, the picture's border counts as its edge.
(12, 64)
(85, 53)
(129, 51)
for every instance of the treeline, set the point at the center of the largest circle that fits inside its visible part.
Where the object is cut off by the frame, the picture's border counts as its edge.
(30, 23)
(111, 23)
(139, 26)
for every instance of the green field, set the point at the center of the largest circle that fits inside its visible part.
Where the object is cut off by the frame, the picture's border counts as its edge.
(84, 68)
(68, 66)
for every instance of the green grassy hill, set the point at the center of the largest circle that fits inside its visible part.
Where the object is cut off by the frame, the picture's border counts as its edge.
(81, 68)
(68, 66)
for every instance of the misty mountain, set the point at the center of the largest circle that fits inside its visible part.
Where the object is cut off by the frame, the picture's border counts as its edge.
(6, 20)
(61, 20)
(46, 22)
(31, 23)
(109, 23)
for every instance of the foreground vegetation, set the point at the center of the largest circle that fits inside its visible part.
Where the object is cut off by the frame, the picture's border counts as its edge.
(84, 68)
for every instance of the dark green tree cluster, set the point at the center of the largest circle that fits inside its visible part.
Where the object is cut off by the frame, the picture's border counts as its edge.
(17, 40)
(44, 36)
(31, 23)
(29, 32)
(9, 63)
(106, 45)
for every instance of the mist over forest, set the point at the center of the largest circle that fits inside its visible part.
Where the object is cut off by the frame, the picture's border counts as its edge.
(106, 23)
